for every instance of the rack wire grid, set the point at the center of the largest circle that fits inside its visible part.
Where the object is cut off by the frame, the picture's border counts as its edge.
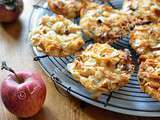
(127, 100)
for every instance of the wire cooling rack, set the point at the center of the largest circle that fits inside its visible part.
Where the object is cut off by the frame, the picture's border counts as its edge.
(127, 100)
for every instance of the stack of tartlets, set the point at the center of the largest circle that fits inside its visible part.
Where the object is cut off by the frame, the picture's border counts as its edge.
(101, 68)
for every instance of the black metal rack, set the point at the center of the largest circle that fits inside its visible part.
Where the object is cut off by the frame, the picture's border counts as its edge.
(127, 100)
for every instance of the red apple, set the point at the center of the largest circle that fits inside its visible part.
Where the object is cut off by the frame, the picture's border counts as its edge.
(10, 10)
(23, 93)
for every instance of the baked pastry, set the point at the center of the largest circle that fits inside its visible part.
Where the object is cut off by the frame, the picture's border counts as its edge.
(145, 40)
(57, 36)
(100, 68)
(144, 11)
(149, 77)
(67, 8)
(104, 24)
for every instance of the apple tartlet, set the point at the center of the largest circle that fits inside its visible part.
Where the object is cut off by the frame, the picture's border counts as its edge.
(149, 77)
(67, 8)
(57, 36)
(100, 68)
(103, 24)
(145, 40)
(143, 10)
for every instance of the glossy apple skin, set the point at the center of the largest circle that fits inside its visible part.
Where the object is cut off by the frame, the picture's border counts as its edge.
(7, 16)
(23, 99)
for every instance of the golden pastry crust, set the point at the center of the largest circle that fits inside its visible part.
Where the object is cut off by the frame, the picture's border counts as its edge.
(145, 40)
(150, 55)
(57, 36)
(149, 77)
(143, 10)
(67, 8)
(104, 24)
(100, 68)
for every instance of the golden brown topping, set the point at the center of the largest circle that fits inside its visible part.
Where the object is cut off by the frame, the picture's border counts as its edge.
(101, 68)
(57, 36)
(145, 40)
(68, 8)
(149, 77)
(105, 24)
(143, 10)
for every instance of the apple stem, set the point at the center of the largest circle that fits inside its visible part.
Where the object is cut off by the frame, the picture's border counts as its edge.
(5, 67)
